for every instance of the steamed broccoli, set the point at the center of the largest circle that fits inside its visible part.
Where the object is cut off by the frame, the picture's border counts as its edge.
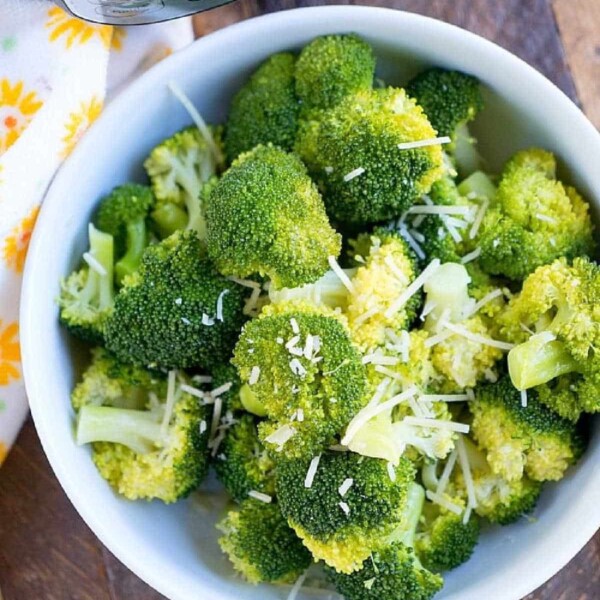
(352, 153)
(158, 452)
(224, 374)
(343, 530)
(108, 382)
(265, 110)
(533, 219)
(261, 545)
(266, 216)
(521, 439)
(178, 169)
(333, 67)
(87, 294)
(394, 571)
(300, 364)
(443, 541)
(561, 304)
(243, 464)
(123, 214)
(176, 311)
(390, 267)
(451, 100)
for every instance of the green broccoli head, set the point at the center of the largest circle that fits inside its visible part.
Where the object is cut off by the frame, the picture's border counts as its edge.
(87, 294)
(331, 68)
(451, 100)
(158, 452)
(560, 303)
(266, 216)
(261, 545)
(265, 110)
(123, 214)
(519, 439)
(243, 464)
(343, 530)
(534, 218)
(178, 169)
(109, 382)
(352, 153)
(443, 541)
(390, 267)
(302, 367)
(176, 311)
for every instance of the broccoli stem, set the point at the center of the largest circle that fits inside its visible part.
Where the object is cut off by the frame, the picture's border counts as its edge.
(139, 430)
(405, 533)
(429, 475)
(169, 218)
(466, 155)
(538, 361)
(479, 184)
(99, 288)
(250, 402)
(136, 243)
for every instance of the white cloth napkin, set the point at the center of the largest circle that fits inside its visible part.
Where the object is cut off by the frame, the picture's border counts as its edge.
(56, 73)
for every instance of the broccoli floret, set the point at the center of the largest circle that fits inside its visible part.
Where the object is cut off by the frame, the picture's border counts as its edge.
(158, 452)
(560, 303)
(534, 218)
(265, 110)
(224, 374)
(497, 499)
(178, 169)
(108, 382)
(521, 439)
(343, 531)
(261, 545)
(87, 294)
(333, 67)
(389, 269)
(243, 464)
(451, 100)
(266, 216)
(176, 311)
(352, 153)
(392, 572)
(303, 368)
(123, 214)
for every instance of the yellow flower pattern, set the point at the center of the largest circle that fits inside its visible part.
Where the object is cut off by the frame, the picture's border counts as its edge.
(10, 353)
(17, 107)
(118, 35)
(78, 122)
(65, 27)
(16, 244)
(3, 452)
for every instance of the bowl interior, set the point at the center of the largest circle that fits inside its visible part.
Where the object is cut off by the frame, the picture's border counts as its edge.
(174, 548)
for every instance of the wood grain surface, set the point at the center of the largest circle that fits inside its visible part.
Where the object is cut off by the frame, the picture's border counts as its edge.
(46, 550)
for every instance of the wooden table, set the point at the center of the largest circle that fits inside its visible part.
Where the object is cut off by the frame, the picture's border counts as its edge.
(48, 553)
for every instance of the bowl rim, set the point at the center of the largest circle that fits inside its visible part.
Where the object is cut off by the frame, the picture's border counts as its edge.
(35, 389)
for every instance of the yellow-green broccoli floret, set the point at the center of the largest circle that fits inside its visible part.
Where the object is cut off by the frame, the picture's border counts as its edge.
(178, 169)
(149, 453)
(343, 531)
(352, 153)
(260, 544)
(519, 439)
(560, 305)
(304, 370)
(443, 541)
(87, 294)
(242, 464)
(389, 269)
(392, 572)
(266, 216)
(534, 218)
(265, 110)
(333, 67)
(176, 311)
(123, 214)
(451, 100)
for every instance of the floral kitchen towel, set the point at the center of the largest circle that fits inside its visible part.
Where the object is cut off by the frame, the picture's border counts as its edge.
(56, 73)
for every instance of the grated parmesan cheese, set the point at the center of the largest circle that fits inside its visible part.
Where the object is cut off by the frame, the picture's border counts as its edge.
(297, 586)
(437, 424)
(93, 264)
(297, 367)
(466, 470)
(221, 389)
(341, 274)
(220, 304)
(260, 496)
(444, 502)
(447, 472)
(391, 471)
(344, 507)
(478, 219)
(254, 375)
(169, 404)
(245, 282)
(422, 143)
(467, 258)
(281, 436)
(413, 288)
(475, 337)
(346, 485)
(206, 320)
(354, 173)
(312, 471)
(524, 398)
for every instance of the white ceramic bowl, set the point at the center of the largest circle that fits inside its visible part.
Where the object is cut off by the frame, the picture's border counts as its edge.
(174, 548)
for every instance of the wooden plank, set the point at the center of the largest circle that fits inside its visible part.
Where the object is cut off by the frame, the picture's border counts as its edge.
(579, 26)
